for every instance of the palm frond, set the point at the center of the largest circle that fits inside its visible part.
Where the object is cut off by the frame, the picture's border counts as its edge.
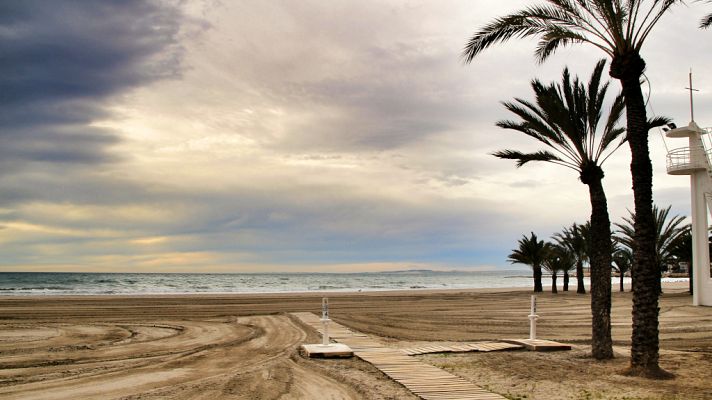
(706, 22)
(613, 19)
(559, 258)
(555, 38)
(499, 31)
(611, 131)
(657, 122)
(574, 239)
(523, 158)
(668, 232)
(616, 27)
(530, 251)
(534, 21)
(663, 7)
(565, 118)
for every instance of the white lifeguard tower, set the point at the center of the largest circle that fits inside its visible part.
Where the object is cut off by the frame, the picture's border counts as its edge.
(694, 160)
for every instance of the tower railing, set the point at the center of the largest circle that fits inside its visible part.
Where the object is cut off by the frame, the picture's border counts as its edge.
(681, 160)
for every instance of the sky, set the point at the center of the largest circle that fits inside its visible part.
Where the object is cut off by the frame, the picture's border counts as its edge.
(294, 136)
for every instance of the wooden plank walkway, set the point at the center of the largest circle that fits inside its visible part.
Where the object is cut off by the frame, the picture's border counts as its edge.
(427, 381)
(461, 348)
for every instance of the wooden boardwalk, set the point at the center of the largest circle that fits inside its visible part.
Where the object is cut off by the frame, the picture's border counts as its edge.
(461, 348)
(425, 380)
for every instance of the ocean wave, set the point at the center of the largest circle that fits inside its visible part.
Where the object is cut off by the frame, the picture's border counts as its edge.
(127, 284)
(39, 288)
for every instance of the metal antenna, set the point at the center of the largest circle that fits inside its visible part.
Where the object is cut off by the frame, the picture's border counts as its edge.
(692, 105)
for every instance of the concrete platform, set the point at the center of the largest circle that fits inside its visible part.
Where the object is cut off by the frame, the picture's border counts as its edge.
(334, 350)
(539, 344)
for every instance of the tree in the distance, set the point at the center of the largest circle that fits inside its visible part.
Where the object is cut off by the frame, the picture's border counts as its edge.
(573, 239)
(558, 260)
(622, 259)
(532, 252)
(668, 230)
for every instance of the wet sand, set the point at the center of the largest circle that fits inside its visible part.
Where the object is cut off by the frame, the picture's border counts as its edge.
(245, 346)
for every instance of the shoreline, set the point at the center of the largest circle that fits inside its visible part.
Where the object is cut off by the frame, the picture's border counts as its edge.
(675, 284)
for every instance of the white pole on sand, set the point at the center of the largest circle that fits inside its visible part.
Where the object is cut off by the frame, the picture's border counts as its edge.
(325, 321)
(532, 319)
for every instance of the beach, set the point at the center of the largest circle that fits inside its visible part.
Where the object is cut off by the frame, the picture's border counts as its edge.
(246, 346)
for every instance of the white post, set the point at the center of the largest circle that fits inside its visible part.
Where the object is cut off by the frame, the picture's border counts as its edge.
(532, 319)
(325, 321)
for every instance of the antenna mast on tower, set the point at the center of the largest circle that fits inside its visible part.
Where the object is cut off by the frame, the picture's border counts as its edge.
(692, 105)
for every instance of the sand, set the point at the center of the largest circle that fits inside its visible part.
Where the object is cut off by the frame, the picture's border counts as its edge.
(246, 346)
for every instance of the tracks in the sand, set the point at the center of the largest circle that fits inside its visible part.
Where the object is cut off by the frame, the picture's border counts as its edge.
(246, 358)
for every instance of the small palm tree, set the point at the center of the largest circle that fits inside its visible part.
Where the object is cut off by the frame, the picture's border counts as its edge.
(567, 273)
(532, 252)
(558, 260)
(573, 239)
(565, 118)
(667, 233)
(622, 259)
(618, 28)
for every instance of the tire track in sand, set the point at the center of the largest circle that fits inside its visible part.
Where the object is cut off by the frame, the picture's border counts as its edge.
(244, 359)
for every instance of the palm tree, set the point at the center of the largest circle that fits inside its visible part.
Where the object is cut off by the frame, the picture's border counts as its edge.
(531, 252)
(558, 259)
(572, 238)
(565, 118)
(567, 271)
(623, 259)
(619, 28)
(667, 234)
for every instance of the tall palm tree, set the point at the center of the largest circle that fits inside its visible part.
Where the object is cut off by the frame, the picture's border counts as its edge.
(622, 259)
(619, 28)
(572, 238)
(558, 260)
(532, 252)
(565, 118)
(668, 230)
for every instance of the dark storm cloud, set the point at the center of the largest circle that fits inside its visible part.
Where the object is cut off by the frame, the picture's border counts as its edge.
(60, 60)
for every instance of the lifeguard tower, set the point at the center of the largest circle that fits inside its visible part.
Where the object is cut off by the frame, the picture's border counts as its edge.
(694, 160)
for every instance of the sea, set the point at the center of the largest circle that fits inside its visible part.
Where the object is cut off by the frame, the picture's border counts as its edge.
(68, 283)
(79, 283)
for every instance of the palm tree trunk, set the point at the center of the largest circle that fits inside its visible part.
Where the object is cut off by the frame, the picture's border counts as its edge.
(566, 281)
(553, 282)
(601, 253)
(580, 288)
(621, 282)
(537, 278)
(644, 340)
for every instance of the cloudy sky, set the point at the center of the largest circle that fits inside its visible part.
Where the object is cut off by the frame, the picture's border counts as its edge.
(336, 136)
